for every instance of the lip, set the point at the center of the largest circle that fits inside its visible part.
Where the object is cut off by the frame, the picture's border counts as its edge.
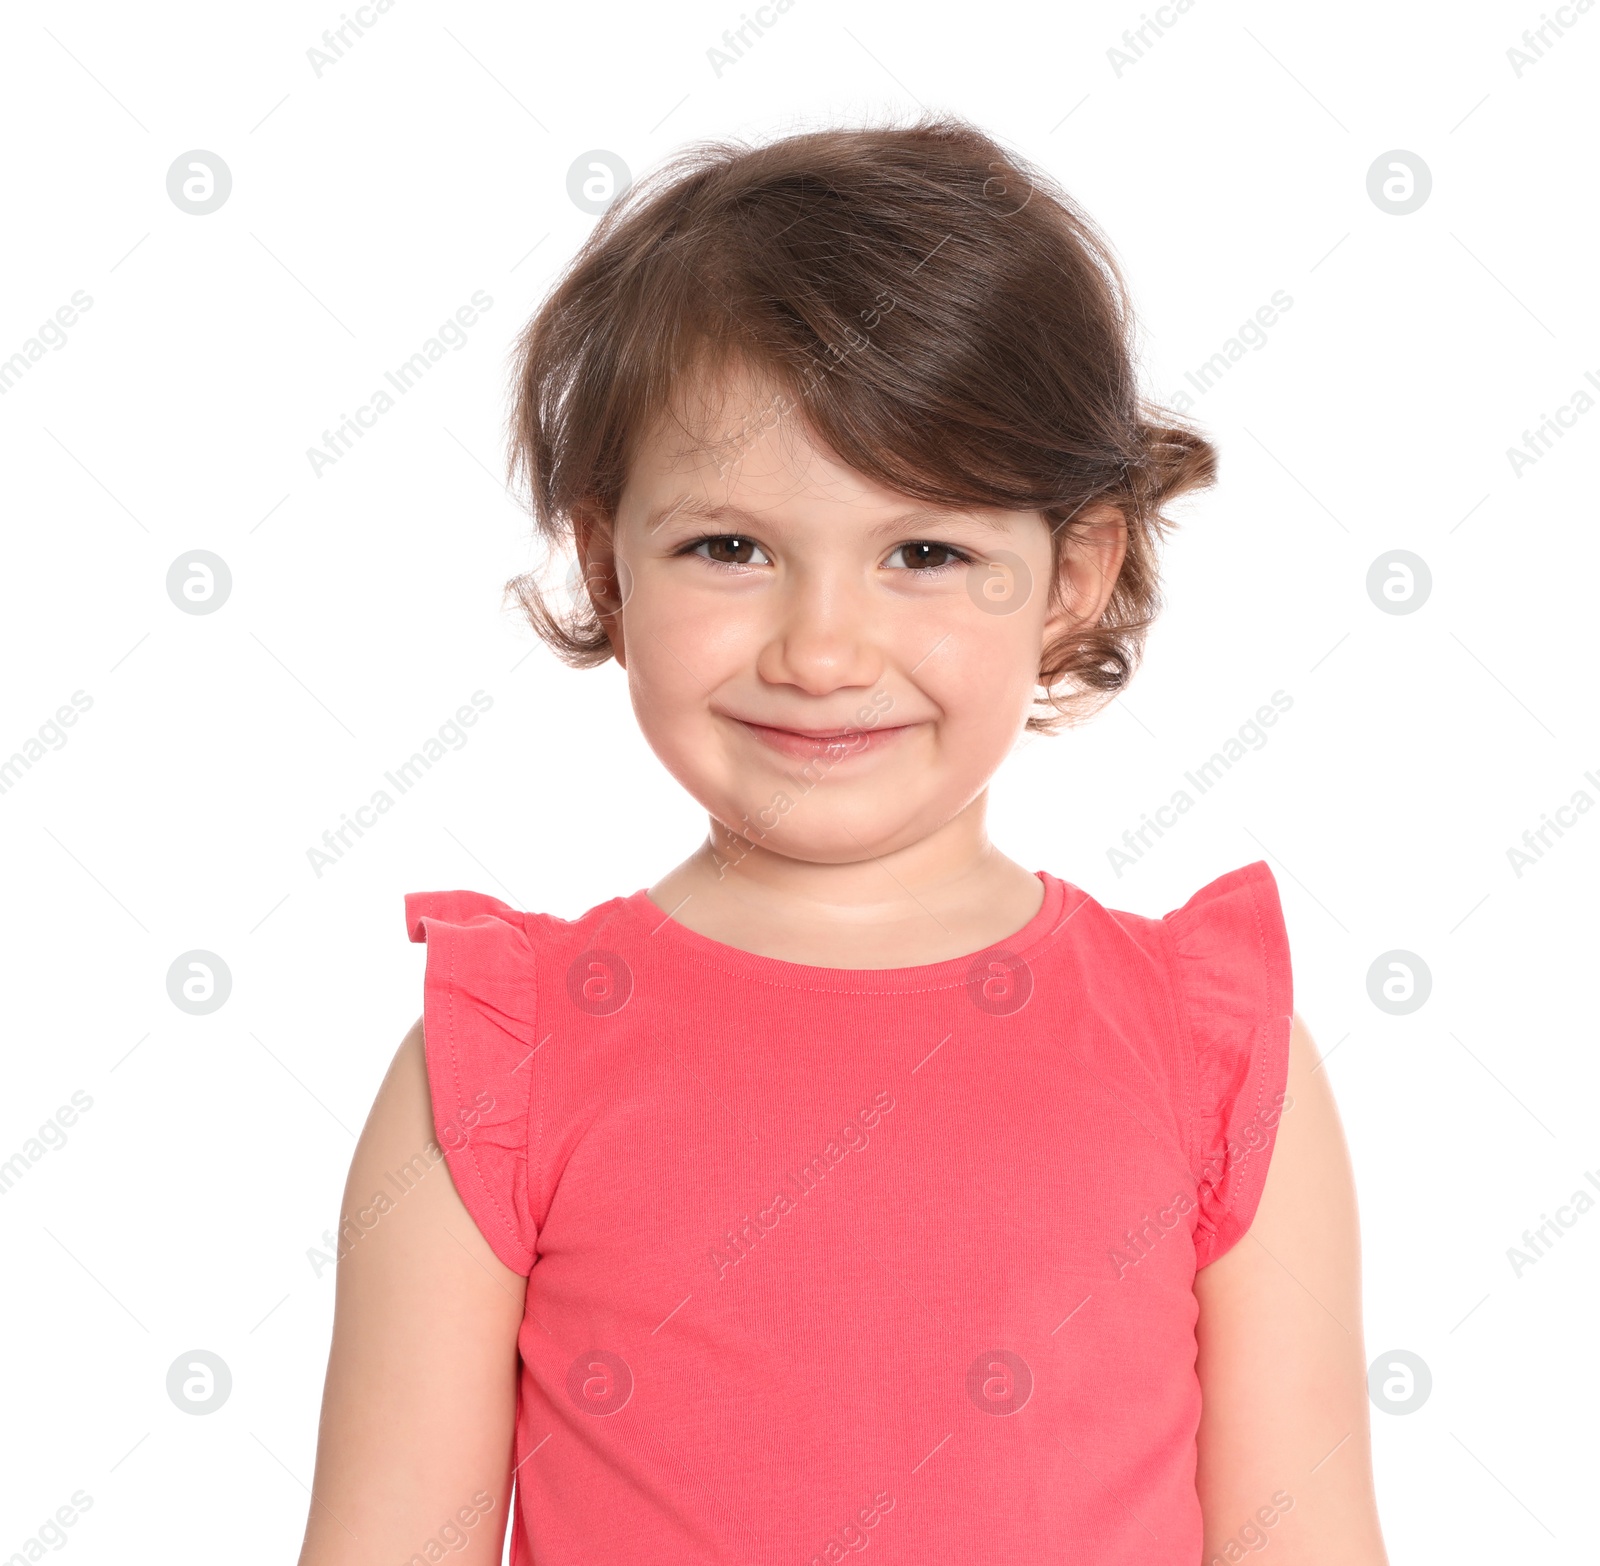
(836, 744)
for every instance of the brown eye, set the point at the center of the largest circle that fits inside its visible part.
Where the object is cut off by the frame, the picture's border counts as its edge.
(926, 556)
(730, 549)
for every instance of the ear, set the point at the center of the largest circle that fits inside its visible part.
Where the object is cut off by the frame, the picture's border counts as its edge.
(1095, 543)
(594, 538)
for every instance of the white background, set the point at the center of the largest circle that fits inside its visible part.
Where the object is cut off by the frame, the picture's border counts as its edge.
(431, 161)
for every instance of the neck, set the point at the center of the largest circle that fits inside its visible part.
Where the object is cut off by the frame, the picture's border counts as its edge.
(947, 894)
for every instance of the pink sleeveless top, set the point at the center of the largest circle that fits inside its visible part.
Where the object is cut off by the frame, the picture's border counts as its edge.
(821, 1259)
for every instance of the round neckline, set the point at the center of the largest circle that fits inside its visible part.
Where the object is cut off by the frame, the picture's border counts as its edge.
(664, 932)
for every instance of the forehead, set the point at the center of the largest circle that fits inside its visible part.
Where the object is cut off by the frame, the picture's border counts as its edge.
(734, 446)
(733, 436)
(713, 412)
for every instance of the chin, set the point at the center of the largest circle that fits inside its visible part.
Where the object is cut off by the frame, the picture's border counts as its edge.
(828, 836)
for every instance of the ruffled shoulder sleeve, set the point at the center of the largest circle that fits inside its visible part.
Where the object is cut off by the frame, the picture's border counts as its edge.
(1235, 994)
(479, 1025)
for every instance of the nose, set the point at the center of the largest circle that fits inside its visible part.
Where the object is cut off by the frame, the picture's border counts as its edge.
(823, 638)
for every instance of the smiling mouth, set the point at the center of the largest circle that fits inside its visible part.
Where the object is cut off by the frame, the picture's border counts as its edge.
(836, 744)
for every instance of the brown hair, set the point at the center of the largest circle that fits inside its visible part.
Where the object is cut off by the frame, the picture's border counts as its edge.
(947, 320)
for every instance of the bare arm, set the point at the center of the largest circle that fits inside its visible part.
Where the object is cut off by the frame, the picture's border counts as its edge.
(417, 1411)
(1283, 1429)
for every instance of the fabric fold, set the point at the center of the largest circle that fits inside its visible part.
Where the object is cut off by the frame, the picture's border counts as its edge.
(480, 1005)
(1234, 983)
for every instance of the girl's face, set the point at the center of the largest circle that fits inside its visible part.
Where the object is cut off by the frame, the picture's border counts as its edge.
(833, 670)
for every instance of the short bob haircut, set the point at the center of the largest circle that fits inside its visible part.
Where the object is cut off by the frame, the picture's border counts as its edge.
(942, 315)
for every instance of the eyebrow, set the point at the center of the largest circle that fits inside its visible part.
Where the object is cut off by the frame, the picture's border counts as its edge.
(704, 510)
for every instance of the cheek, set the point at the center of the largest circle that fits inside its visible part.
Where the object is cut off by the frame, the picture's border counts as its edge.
(986, 671)
(681, 649)
(673, 636)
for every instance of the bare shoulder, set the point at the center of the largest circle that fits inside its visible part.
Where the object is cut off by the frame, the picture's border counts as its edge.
(395, 1153)
(403, 1106)
(401, 1190)
(413, 1450)
(1284, 1447)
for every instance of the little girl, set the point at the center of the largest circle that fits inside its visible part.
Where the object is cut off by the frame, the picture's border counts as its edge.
(852, 1187)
